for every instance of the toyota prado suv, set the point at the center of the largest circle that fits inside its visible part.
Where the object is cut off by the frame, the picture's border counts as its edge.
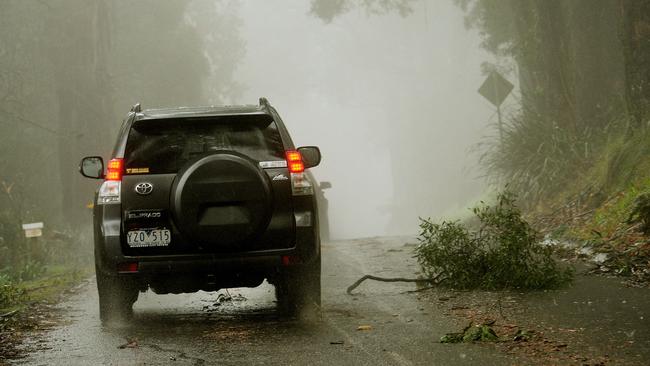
(205, 199)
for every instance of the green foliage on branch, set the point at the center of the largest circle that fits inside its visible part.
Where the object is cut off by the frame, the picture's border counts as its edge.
(504, 252)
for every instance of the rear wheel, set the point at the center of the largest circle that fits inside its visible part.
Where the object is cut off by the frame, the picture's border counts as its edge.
(116, 298)
(298, 290)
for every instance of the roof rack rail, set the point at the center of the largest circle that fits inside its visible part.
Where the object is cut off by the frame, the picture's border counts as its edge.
(264, 102)
(136, 108)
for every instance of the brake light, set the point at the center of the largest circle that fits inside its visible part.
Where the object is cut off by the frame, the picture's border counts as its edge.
(294, 162)
(114, 170)
(300, 185)
(110, 190)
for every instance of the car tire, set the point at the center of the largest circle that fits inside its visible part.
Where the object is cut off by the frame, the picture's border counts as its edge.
(298, 290)
(116, 298)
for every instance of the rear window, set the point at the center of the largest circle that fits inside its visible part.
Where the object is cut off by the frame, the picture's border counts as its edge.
(166, 145)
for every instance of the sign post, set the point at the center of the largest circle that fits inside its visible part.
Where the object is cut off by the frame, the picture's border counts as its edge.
(496, 89)
(33, 230)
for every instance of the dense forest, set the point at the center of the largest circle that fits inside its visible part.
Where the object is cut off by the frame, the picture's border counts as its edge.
(69, 73)
(582, 68)
(575, 143)
(526, 219)
(577, 147)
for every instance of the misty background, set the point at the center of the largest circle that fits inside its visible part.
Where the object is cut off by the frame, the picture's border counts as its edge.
(391, 100)
(389, 94)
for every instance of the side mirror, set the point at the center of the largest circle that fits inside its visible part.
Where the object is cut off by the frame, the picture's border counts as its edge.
(325, 185)
(92, 167)
(310, 156)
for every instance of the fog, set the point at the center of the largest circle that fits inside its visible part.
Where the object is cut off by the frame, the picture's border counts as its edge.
(388, 94)
(391, 101)
(472, 151)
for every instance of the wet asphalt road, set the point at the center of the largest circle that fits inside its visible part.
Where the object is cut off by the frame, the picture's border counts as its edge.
(199, 329)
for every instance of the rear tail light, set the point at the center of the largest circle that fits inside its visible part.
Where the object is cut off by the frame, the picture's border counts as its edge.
(115, 169)
(300, 185)
(109, 192)
(111, 189)
(294, 162)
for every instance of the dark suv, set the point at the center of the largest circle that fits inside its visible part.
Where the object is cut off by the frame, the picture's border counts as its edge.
(204, 199)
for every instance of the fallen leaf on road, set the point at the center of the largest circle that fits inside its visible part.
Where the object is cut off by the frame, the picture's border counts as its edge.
(364, 327)
(130, 343)
(471, 334)
(522, 336)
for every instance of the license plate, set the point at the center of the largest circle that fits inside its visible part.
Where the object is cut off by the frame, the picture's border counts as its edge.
(148, 238)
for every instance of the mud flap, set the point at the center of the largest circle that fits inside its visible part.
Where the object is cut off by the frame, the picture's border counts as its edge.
(298, 290)
(116, 298)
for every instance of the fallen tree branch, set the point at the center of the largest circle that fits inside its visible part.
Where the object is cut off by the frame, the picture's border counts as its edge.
(419, 290)
(391, 279)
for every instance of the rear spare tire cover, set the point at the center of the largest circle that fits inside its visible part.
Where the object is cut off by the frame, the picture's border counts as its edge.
(222, 201)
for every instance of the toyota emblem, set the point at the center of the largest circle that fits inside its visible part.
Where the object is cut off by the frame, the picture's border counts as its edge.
(143, 188)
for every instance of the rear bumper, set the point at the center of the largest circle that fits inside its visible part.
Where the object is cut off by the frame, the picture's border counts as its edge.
(206, 263)
(110, 260)
(109, 254)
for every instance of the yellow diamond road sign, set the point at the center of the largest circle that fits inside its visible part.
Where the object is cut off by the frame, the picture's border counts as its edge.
(495, 88)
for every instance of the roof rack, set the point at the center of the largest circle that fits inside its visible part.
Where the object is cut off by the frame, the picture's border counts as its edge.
(136, 108)
(264, 102)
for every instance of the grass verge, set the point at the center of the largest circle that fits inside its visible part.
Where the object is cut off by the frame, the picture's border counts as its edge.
(606, 209)
(28, 306)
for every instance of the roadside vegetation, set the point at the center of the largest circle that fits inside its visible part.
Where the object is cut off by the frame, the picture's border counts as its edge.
(502, 251)
(590, 192)
(575, 139)
(26, 263)
(28, 305)
(48, 93)
(48, 264)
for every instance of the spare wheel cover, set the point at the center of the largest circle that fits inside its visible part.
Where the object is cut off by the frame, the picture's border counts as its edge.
(222, 200)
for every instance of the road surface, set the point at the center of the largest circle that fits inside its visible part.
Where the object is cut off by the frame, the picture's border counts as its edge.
(203, 329)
